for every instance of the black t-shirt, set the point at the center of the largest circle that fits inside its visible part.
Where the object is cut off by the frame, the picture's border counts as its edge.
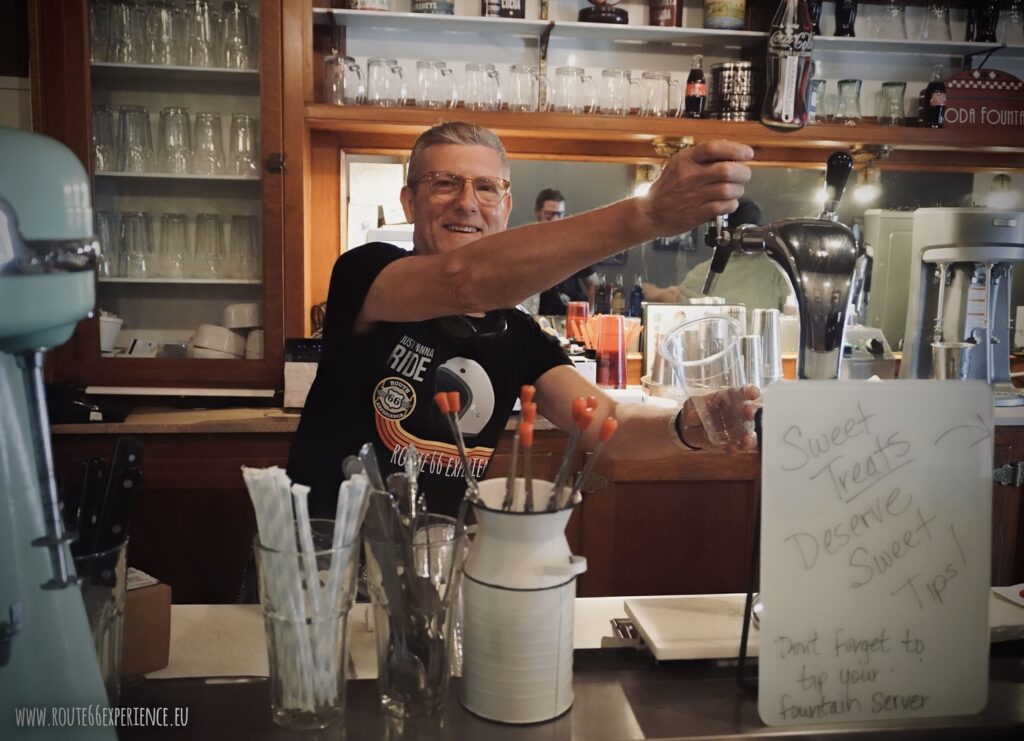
(380, 386)
(575, 287)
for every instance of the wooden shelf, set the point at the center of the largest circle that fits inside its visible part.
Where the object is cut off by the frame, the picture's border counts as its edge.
(175, 176)
(629, 138)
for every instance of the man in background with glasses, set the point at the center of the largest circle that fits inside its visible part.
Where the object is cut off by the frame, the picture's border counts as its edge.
(581, 285)
(399, 326)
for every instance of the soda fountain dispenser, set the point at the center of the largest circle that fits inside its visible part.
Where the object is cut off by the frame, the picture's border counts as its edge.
(819, 256)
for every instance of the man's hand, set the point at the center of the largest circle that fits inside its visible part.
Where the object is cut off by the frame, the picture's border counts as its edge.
(692, 431)
(698, 184)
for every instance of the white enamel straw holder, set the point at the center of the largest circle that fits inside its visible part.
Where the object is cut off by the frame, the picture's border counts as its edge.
(518, 590)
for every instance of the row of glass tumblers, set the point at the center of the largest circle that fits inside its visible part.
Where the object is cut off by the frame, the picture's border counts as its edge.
(184, 145)
(142, 245)
(568, 89)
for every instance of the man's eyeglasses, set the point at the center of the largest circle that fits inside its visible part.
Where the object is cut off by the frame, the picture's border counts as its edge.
(489, 190)
(551, 215)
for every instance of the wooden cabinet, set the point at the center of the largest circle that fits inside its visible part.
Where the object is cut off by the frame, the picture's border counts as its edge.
(162, 306)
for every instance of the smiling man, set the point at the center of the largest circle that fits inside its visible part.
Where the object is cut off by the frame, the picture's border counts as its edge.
(401, 327)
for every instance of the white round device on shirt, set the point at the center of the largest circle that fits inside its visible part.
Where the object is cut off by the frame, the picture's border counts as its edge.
(470, 379)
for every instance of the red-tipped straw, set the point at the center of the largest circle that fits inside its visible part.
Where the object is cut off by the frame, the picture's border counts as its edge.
(582, 417)
(526, 440)
(608, 428)
(449, 403)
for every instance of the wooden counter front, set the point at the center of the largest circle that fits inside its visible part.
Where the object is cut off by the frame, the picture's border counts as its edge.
(681, 525)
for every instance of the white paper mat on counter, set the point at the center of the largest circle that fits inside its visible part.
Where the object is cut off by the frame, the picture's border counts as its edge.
(692, 626)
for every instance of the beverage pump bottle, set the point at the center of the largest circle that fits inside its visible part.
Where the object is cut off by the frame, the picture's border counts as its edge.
(636, 298)
(618, 297)
(790, 44)
(933, 113)
(846, 16)
(602, 297)
(696, 89)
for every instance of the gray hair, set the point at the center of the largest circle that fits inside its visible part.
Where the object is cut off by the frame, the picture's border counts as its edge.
(455, 132)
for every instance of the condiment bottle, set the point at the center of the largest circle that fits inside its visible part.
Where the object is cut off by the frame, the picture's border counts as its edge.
(696, 89)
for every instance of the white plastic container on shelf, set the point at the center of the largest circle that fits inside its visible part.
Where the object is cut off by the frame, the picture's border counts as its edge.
(219, 339)
(242, 316)
(518, 597)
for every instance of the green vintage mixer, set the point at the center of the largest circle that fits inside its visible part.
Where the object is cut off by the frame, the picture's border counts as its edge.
(47, 257)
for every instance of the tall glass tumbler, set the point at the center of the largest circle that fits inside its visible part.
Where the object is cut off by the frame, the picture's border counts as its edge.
(162, 41)
(816, 102)
(935, 26)
(306, 599)
(175, 141)
(243, 153)
(891, 21)
(242, 254)
(136, 246)
(234, 35)
(136, 152)
(103, 579)
(105, 224)
(891, 110)
(208, 143)
(99, 31)
(174, 254)
(611, 351)
(210, 260)
(104, 153)
(848, 103)
(414, 587)
(126, 44)
(201, 48)
(706, 357)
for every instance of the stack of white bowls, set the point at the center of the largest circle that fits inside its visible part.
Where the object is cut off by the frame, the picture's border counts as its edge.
(246, 318)
(215, 342)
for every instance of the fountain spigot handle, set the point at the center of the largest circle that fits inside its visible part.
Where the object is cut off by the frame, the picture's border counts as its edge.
(837, 172)
(718, 262)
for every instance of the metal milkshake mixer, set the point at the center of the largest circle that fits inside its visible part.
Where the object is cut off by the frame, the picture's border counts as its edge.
(958, 310)
(47, 264)
(819, 256)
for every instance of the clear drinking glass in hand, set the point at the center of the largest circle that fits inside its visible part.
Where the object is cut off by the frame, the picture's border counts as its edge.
(705, 356)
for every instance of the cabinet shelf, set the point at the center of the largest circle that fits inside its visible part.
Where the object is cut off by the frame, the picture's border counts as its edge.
(627, 138)
(116, 71)
(186, 281)
(175, 176)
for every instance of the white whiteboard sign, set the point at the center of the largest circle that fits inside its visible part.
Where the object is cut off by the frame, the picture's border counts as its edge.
(875, 550)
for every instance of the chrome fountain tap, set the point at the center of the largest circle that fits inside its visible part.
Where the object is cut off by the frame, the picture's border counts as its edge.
(819, 257)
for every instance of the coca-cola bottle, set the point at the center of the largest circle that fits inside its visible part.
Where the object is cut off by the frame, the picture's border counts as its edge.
(986, 20)
(814, 7)
(790, 43)
(972, 22)
(696, 89)
(933, 113)
(846, 16)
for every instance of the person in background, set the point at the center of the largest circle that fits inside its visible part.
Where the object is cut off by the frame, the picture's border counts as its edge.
(751, 280)
(400, 326)
(581, 285)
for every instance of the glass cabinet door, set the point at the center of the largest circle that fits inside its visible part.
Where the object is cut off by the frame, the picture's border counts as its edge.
(175, 151)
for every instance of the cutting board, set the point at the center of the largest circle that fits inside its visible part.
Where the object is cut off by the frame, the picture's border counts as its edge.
(692, 626)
